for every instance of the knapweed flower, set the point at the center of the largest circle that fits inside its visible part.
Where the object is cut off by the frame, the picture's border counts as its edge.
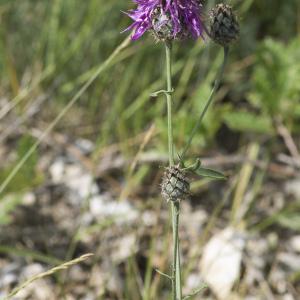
(167, 19)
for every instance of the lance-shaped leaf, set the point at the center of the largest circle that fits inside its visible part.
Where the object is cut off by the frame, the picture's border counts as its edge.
(204, 172)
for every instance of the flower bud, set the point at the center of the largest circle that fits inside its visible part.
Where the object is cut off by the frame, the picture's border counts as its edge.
(175, 186)
(162, 25)
(224, 27)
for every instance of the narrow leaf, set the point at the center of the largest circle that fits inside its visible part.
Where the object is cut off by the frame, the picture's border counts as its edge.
(204, 172)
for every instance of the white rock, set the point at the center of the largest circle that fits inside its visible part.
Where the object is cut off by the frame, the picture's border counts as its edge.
(57, 171)
(122, 211)
(292, 261)
(86, 146)
(39, 289)
(221, 261)
(127, 245)
(293, 187)
(86, 219)
(80, 183)
(295, 243)
(288, 297)
(28, 199)
(8, 279)
(149, 218)
(97, 205)
(89, 296)
(32, 270)
(277, 280)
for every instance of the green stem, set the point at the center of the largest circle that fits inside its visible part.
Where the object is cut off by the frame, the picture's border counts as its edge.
(176, 272)
(209, 101)
(176, 266)
(168, 48)
(175, 238)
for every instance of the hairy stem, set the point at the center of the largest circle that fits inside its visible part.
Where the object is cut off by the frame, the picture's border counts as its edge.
(176, 272)
(209, 101)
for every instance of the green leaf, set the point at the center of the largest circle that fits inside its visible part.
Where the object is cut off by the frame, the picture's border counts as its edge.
(276, 78)
(204, 172)
(248, 122)
(289, 220)
(196, 292)
(7, 206)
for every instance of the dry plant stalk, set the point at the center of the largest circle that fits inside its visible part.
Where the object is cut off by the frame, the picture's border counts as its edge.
(58, 268)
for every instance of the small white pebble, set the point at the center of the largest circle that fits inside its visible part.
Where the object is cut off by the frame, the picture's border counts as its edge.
(295, 243)
(28, 199)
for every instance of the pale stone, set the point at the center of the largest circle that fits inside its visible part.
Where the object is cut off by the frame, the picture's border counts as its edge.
(221, 261)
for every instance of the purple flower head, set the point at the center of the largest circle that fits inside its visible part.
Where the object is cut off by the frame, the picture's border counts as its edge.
(167, 19)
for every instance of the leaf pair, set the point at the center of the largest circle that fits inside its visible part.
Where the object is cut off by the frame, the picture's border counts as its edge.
(197, 169)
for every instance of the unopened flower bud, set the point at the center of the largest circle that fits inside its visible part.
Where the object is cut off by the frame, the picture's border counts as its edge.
(224, 27)
(175, 186)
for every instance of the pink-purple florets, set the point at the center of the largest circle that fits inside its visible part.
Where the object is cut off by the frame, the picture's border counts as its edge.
(181, 17)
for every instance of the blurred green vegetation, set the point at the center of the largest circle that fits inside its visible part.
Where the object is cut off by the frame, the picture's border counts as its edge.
(67, 39)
